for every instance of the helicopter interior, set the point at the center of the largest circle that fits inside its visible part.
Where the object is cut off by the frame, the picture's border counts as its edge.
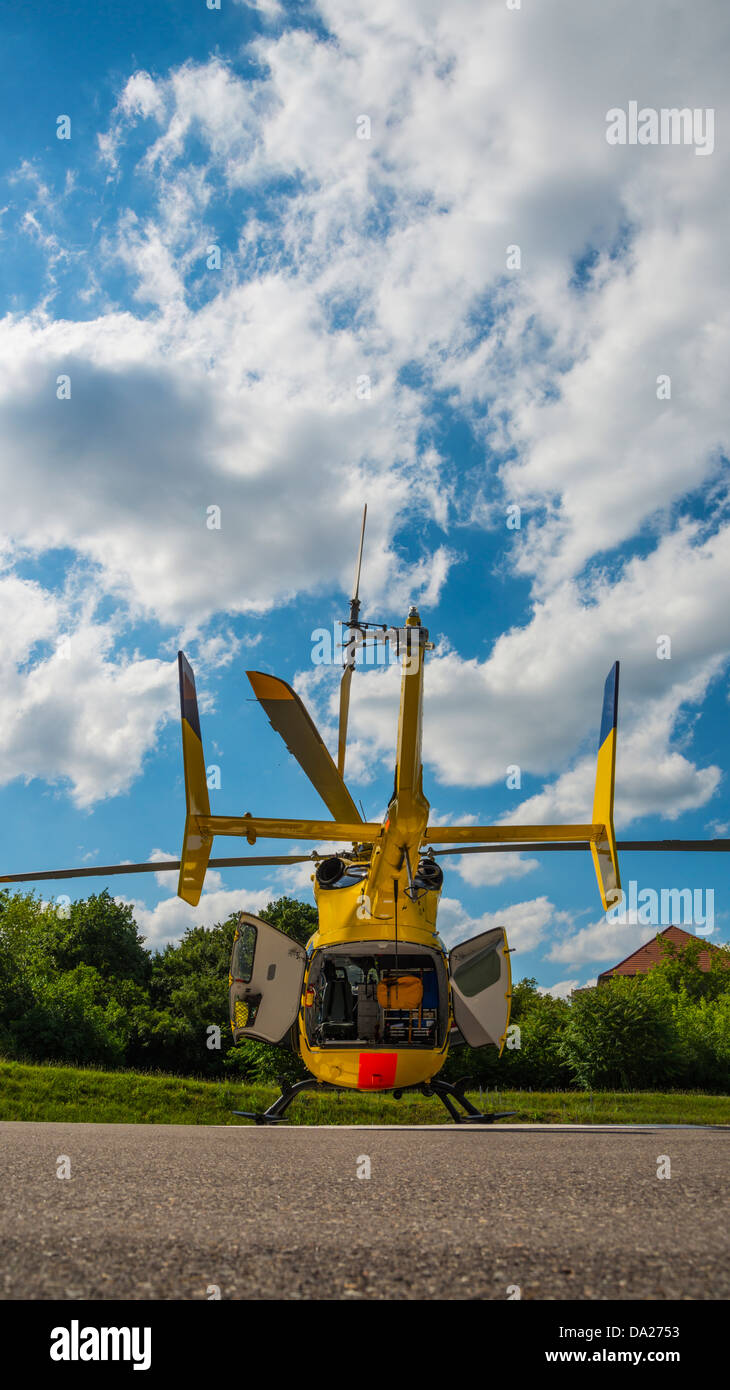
(365, 995)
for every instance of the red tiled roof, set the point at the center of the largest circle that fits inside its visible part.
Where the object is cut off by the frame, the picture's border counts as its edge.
(639, 962)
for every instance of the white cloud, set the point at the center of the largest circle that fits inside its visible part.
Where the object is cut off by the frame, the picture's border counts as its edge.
(437, 817)
(71, 711)
(487, 130)
(171, 917)
(131, 417)
(165, 878)
(271, 9)
(525, 923)
(536, 700)
(487, 870)
(142, 97)
(562, 990)
(607, 942)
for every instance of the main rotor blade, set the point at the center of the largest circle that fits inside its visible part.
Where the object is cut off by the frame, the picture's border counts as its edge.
(161, 866)
(674, 845)
(345, 684)
(669, 846)
(288, 715)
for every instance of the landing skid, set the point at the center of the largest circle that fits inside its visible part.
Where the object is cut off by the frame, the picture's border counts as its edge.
(275, 1113)
(445, 1091)
(449, 1093)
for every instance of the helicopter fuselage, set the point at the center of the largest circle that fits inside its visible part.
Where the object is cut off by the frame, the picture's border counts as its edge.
(371, 1046)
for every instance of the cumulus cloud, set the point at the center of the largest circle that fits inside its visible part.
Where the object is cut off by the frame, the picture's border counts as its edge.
(169, 918)
(526, 923)
(72, 711)
(535, 702)
(608, 942)
(562, 990)
(365, 286)
(487, 870)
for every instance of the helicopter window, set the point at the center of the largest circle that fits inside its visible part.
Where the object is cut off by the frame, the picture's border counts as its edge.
(478, 972)
(243, 952)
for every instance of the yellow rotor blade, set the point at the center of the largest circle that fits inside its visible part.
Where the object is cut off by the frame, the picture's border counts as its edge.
(345, 684)
(288, 715)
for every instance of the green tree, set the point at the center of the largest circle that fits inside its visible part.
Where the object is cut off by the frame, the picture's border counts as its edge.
(534, 1059)
(525, 996)
(189, 995)
(100, 932)
(27, 927)
(680, 967)
(26, 930)
(69, 1019)
(539, 1061)
(536, 1062)
(703, 1028)
(298, 920)
(623, 1035)
(188, 998)
(260, 1061)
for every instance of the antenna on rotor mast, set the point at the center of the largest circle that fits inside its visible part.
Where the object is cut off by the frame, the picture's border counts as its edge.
(350, 648)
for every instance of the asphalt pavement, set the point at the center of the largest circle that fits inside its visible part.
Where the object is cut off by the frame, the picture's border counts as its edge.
(241, 1212)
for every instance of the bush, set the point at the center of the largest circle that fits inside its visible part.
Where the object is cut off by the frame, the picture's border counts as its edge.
(680, 967)
(537, 1062)
(703, 1027)
(258, 1061)
(67, 1021)
(623, 1035)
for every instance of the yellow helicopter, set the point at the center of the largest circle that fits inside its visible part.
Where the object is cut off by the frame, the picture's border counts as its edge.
(375, 1000)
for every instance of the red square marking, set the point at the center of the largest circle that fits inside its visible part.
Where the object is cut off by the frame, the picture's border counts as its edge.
(377, 1070)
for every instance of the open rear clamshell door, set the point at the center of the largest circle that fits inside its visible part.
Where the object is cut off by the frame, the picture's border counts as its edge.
(481, 987)
(267, 973)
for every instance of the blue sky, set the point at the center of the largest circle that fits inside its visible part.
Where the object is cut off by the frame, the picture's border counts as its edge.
(364, 338)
